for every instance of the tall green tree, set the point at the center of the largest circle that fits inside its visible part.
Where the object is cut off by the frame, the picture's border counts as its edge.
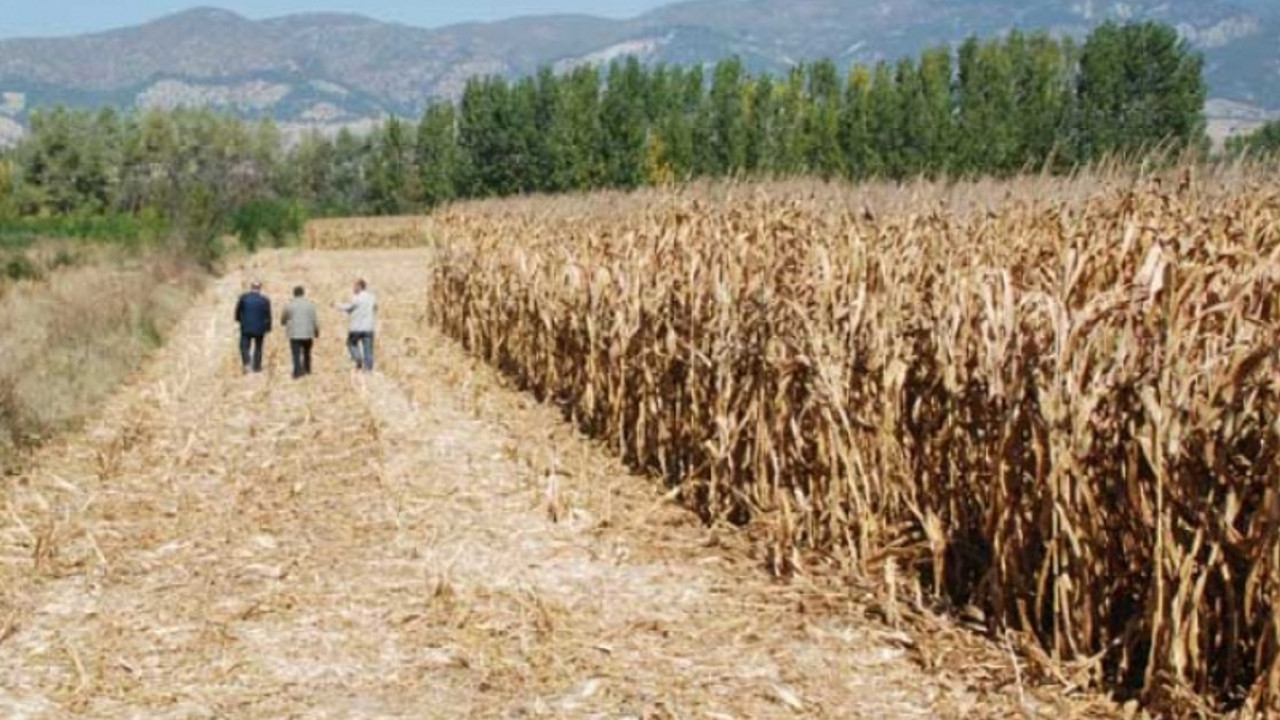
(789, 125)
(576, 135)
(1044, 86)
(728, 135)
(309, 174)
(760, 108)
(546, 92)
(1140, 86)
(491, 133)
(821, 124)
(390, 169)
(349, 182)
(884, 122)
(988, 109)
(855, 126)
(437, 156)
(622, 123)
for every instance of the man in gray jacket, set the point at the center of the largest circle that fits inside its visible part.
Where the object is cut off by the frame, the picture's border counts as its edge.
(303, 327)
(363, 310)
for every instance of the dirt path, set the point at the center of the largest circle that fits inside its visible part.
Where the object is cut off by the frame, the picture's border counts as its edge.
(417, 543)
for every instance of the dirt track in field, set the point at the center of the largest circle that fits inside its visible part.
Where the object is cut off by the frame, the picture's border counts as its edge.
(416, 543)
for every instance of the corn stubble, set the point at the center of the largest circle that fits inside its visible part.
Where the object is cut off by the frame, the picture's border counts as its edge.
(1060, 410)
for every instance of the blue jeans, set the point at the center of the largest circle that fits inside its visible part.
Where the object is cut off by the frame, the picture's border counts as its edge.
(360, 345)
(251, 359)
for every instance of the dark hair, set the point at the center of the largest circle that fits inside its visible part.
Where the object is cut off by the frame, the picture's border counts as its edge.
(298, 291)
(360, 284)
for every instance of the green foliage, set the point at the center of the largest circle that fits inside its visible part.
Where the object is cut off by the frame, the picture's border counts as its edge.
(117, 229)
(995, 107)
(20, 267)
(272, 219)
(1140, 87)
(389, 166)
(575, 133)
(1265, 142)
(729, 118)
(437, 155)
(622, 123)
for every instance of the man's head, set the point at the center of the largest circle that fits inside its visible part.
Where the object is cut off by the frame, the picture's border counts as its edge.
(299, 291)
(360, 285)
(256, 285)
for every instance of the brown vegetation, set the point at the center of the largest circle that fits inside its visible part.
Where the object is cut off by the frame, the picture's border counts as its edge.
(76, 323)
(365, 233)
(1053, 403)
(420, 542)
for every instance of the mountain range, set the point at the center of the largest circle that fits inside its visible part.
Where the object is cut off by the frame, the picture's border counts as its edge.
(342, 69)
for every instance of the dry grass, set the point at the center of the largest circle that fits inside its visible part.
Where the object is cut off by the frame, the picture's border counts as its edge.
(365, 233)
(1053, 403)
(75, 332)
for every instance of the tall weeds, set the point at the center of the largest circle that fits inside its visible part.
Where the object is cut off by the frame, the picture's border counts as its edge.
(77, 327)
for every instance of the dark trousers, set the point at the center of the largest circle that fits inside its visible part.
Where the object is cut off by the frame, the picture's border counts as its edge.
(251, 352)
(360, 345)
(301, 350)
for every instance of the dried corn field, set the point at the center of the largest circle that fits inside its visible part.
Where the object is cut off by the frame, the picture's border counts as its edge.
(1051, 404)
(365, 233)
(422, 542)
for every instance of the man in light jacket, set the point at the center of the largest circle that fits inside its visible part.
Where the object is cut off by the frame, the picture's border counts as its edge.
(253, 312)
(303, 327)
(363, 310)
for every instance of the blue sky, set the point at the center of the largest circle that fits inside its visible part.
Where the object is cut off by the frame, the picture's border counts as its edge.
(38, 18)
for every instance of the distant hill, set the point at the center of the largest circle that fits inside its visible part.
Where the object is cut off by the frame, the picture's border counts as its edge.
(330, 69)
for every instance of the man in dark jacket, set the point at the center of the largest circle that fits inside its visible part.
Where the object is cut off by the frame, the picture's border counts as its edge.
(253, 312)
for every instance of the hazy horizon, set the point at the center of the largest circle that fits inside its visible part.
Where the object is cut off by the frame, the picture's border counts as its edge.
(58, 19)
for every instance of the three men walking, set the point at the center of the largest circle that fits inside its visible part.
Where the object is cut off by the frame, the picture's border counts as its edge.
(302, 326)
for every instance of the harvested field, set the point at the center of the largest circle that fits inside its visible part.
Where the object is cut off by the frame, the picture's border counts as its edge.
(1051, 405)
(422, 542)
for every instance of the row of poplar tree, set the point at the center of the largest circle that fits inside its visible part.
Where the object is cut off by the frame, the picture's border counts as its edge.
(996, 107)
